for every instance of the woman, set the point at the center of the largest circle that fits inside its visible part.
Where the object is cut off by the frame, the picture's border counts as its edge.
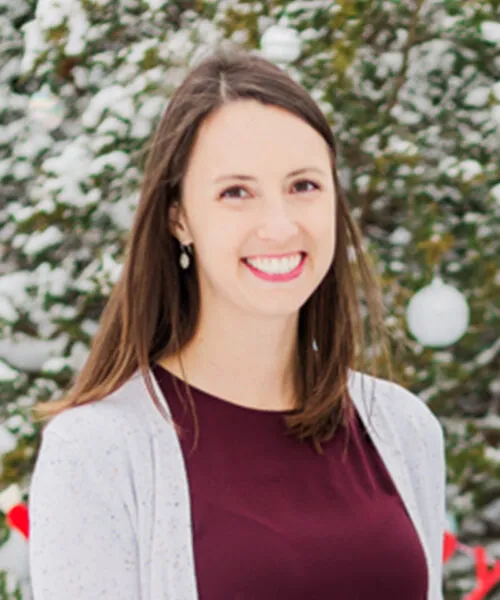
(236, 319)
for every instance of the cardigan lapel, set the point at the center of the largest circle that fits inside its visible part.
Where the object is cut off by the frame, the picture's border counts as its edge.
(382, 424)
(178, 575)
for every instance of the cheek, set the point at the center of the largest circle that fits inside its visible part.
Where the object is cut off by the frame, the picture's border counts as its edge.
(323, 232)
(216, 249)
(323, 226)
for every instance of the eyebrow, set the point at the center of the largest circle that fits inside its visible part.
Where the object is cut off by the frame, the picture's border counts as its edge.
(241, 177)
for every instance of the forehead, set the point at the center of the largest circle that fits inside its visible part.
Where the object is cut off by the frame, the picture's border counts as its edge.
(247, 135)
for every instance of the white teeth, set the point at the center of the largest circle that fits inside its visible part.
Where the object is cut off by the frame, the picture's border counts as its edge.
(275, 266)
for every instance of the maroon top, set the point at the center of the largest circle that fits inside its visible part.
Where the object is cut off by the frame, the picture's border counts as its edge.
(272, 519)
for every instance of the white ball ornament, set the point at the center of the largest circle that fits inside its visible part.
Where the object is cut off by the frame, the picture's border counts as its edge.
(280, 44)
(46, 109)
(438, 315)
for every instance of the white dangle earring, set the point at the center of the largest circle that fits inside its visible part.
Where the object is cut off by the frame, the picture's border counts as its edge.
(184, 259)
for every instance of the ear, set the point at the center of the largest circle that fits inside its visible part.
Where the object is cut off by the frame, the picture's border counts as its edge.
(178, 225)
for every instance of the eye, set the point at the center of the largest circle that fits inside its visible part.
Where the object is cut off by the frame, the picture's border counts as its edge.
(303, 185)
(233, 192)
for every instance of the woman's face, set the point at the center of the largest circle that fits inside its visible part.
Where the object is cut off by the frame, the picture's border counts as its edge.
(258, 204)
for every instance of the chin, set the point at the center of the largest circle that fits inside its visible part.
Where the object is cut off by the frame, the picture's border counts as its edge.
(284, 307)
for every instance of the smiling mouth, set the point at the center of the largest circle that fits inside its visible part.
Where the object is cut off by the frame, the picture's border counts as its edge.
(277, 269)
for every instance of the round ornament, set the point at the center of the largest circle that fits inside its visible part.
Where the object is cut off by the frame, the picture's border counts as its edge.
(438, 315)
(280, 44)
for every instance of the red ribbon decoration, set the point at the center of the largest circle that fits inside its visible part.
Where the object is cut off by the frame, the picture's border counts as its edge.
(18, 518)
(487, 578)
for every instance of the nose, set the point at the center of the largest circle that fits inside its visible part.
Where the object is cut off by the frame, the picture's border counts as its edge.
(278, 224)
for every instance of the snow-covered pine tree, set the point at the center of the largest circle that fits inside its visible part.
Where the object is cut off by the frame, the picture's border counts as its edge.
(412, 90)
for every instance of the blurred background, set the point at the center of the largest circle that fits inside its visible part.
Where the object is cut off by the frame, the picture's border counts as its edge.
(412, 91)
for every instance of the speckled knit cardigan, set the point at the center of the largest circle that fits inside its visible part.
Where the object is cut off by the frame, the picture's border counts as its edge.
(109, 499)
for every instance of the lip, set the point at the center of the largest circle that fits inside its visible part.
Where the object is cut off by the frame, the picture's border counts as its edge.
(282, 255)
(279, 277)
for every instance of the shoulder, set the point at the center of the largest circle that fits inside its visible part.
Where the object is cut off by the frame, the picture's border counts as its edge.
(403, 408)
(103, 445)
(94, 454)
(102, 423)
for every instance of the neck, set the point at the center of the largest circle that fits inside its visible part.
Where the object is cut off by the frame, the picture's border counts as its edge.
(245, 360)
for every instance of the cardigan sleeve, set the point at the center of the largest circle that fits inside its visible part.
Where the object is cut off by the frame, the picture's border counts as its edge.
(82, 542)
(440, 504)
(430, 486)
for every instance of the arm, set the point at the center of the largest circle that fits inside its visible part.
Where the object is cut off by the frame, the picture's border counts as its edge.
(82, 541)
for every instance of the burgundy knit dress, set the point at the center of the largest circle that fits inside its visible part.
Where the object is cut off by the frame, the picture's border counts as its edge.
(273, 520)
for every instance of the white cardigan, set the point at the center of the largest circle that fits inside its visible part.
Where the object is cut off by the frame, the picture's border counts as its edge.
(109, 499)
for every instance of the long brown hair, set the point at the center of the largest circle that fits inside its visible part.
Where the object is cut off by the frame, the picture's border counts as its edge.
(153, 309)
